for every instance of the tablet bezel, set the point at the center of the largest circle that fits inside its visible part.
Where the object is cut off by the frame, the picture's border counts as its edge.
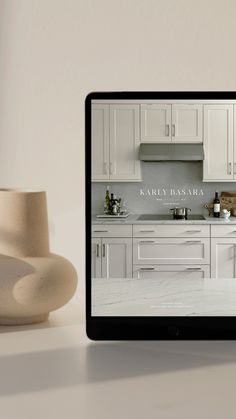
(146, 328)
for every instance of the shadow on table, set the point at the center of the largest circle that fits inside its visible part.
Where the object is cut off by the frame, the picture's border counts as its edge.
(99, 362)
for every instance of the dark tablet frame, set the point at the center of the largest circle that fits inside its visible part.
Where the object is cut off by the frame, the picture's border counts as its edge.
(146, 328)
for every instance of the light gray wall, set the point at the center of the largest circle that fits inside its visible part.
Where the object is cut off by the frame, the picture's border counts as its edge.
(181, 181)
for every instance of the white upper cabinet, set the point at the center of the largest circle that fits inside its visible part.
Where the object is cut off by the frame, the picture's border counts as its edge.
(124, 142)
(176, 123)
(218, 143)
(187, 123)
(115, 143)
(100, 142)
(155, 123)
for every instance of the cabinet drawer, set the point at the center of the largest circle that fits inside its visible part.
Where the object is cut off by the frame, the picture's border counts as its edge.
(170, 230)
(107, 230)
(223, 231)
(171, 271)
(171, 251)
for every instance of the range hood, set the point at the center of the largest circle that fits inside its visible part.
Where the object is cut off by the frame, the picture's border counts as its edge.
(170, 152)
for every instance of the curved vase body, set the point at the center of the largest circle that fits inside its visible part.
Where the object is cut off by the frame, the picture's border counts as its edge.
(33, 281)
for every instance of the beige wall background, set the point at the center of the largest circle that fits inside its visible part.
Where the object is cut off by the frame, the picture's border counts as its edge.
(53, 52)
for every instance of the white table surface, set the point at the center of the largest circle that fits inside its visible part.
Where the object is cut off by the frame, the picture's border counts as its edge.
(53, 371)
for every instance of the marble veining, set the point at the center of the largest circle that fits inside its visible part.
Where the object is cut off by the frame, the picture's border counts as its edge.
(163, 297)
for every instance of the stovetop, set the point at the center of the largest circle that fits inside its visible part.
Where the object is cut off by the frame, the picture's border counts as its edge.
(157, 217)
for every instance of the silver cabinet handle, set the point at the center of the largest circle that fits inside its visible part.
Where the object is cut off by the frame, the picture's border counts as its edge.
(105, 168)
(229, 168)
(97, 250)
(147, 241)
(100, 231)
(235, 168)
(193, 269)
(193, 241)
(103, 250)
(173, 130)
(146, 269)
(167, 130)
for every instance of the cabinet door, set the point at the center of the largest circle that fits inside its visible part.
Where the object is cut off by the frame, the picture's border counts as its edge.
(171, 271)
(117, 258)
(223, 256)
(100, 142)
(187, 123)
(156, 123)
(171, 251)
(124, 143)
(96, 258)
(218, 143)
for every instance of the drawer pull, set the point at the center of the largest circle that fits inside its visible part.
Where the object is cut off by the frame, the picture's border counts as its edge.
(147, 231)
(193, 231)
(147, 241)
(193, 269)
(147, 269)
(193, 241)
(100, 231)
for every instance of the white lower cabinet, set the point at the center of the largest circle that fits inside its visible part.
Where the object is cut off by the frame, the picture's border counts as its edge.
(111, 258)
(171, 271)
(171, 251)
(223, 257)
(151, 256)
(96, 258)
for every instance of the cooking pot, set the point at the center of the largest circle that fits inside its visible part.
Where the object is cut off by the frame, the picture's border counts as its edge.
(180, 213)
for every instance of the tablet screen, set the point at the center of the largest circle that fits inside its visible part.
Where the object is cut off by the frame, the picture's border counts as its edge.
(162, 204)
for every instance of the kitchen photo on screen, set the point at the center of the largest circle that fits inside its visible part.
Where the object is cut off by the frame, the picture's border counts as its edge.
(163, 207)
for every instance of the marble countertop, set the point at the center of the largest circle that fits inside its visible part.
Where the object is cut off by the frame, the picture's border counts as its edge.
(164, 297)
(133, 219)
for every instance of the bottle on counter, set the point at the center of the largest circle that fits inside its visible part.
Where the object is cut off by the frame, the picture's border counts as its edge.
(107, 201)
(216, 202)
(111, 201)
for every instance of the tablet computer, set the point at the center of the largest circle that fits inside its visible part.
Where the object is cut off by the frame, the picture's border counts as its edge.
(160, 215)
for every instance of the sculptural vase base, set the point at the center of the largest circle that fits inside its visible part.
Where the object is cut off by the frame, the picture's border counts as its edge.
(13, 321)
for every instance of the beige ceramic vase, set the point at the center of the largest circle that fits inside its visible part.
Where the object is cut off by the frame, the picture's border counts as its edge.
(33, 281)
